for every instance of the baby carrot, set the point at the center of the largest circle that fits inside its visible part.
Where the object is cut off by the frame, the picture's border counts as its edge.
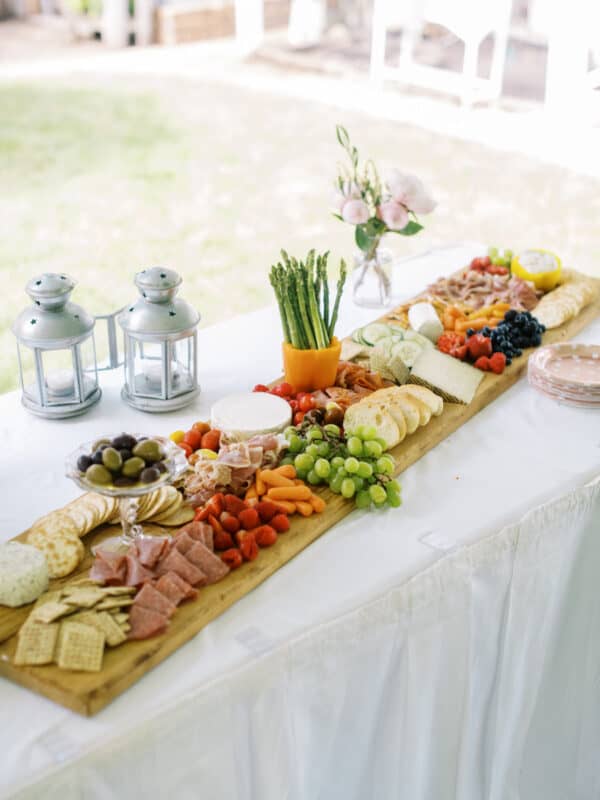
(285, 506)
(251, 492)
(464, 324)
(287, 470)
(317, 503)
(289, 493)
(259, 484)
(304, 508)
(274, 478)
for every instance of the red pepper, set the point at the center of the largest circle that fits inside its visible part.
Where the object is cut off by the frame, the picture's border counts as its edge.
(479, 345)
(448, 341)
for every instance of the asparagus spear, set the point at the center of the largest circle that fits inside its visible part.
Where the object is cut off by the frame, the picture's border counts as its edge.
(280, 295)
(338, 297)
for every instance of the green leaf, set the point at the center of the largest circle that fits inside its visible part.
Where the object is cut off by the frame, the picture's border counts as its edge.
(342, 136)
(362, 239)
(375, 227)
(337, 216)
(410, 229)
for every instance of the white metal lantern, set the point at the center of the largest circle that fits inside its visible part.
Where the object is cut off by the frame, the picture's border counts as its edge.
(56, 350)
(161, 345)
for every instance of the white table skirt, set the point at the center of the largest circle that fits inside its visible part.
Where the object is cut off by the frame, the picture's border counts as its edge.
(423, 652)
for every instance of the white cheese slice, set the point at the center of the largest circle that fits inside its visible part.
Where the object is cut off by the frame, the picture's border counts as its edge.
(23, 574)
(423, 319)
(452, 379)
(248, 414)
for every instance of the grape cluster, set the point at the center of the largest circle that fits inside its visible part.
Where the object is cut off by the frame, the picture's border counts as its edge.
(355, 467)
(518, 329)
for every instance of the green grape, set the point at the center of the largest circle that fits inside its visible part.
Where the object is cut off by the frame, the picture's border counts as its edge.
(358, 431)
(332, 430)
(312, 450)
(347, 488)
(322, 468)
(393, 498)
(492, 252)
(354, 446)
(365, 470)
(384, 466)
(295, 444)
(359, 483)
(313, 478)
(378, 494)
(351, 465)
(286, 460)
(373, 449)
(314, 433)
(342, 473)
(507, 255)
(382, 442)
(368, 432)
(394, 486)
(304, 462)
(289, 431)
(302, 473)
(336, 484)
(337, 462)
(323, 449)
(363, 499)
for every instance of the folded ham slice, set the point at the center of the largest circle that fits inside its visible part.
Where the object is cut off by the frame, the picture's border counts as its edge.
(182, 542)
(189, 592)
(200, 532)
(108, 568)
(149, 549)
(167, 587)
(145, 622)
(136, 574)
(179, 563)
(149, 597)
(211, 565)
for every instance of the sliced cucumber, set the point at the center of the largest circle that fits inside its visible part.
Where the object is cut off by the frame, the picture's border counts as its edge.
(374, 332)
(397, 333)
(408, 351)
(413, 336)
(356, 336)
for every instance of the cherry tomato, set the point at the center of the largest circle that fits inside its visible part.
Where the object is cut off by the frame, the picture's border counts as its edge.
(307, 403)
(201, 427)
(283, 390)
(298, 417)
(210, 440)
(294, 405)
(193, 438)
(260, 387)
(187, 449)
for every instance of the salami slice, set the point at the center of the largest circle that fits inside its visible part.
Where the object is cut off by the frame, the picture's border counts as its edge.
(200, 531)
(188, 591)
(149, 597)
(167, 587)
(108, 568)
(212, 566)
(178, 563)
(145, 622)
(150, 549)
(183, 542)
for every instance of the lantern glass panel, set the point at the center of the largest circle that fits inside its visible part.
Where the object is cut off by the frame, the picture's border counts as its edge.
(146, 368)
(182, 366)
(59, 377)
(87, 358)
(28, 374)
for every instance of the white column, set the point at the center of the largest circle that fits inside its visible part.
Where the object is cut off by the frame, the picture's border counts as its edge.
(144, 28)
(249, 25)
(567, 65)
(115, 23)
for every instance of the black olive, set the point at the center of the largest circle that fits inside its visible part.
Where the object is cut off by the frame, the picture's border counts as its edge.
(83, 462)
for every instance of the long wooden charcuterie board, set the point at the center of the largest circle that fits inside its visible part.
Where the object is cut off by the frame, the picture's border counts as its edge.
(87, 693)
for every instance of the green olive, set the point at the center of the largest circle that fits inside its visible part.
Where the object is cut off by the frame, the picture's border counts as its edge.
(133, 466)
(99, 444)
(98, 474)
(149, 450)
(111, 459)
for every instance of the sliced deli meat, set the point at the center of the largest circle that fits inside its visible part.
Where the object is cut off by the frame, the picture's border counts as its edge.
(109, 568)
(145, 622)
(150, 549)
(177, 562)
(189, 592)
(149, 597)
(136, 574)
(200, 532)
(183, 541)
(167, 587)
(210, 564)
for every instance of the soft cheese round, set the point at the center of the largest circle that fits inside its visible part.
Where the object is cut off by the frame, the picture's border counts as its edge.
(248, 414)
(23, 574)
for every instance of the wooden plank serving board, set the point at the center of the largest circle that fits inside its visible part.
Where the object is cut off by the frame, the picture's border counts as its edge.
(87, 693)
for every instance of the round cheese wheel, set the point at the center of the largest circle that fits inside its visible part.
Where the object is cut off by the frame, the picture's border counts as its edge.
(250, 413)
(23, 574)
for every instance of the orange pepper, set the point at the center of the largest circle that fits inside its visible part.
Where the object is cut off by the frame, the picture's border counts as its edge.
(308, 370)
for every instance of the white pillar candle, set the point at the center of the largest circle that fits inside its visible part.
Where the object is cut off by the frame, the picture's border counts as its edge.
(60, 382)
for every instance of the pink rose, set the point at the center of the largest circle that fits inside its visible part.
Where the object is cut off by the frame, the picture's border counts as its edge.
(394, 215)
(410, 192)
(356, 212)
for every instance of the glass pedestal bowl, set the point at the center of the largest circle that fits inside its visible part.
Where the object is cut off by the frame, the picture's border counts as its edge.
(175, 463)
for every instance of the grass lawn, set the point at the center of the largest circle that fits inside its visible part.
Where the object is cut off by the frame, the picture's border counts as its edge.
(101, 178)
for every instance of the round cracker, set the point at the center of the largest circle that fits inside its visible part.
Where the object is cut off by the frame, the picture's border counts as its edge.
(63, 553)
(181, 516)
(55, 523)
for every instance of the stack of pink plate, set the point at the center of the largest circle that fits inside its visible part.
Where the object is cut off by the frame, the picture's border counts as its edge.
(569, 373)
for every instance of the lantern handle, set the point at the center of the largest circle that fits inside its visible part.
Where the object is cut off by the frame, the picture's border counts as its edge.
(114, 360)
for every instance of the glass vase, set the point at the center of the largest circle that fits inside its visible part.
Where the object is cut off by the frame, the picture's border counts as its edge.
(372, 279)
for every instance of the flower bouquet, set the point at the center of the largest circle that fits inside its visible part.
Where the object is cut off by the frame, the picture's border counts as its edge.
(376, 207)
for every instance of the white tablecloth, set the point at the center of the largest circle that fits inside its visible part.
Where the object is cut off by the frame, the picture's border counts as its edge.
(424, 652)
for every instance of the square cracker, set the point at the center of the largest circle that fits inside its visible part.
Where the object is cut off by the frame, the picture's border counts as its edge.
(53, 596)
(81, 647)
(36, 644)
(104, 622)
(114, 602)
(116, 591)
(50, 611)
(82, 597)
